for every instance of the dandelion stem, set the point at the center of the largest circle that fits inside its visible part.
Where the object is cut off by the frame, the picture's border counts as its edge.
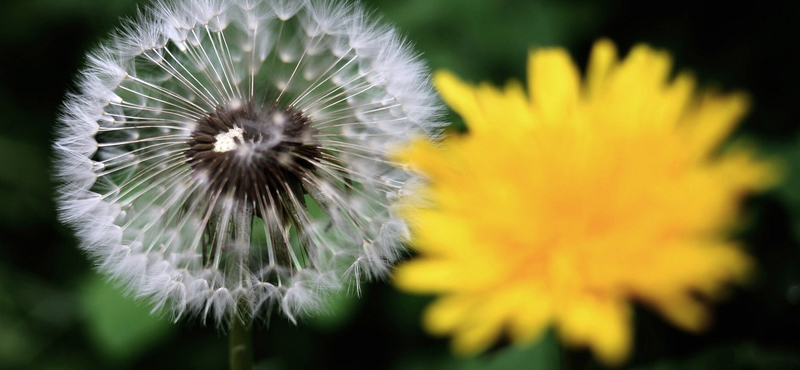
(240, 337)
(240, 344)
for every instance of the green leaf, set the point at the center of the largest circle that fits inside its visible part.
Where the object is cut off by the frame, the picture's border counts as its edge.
(540, 355)
(121, 327)
(340, 308)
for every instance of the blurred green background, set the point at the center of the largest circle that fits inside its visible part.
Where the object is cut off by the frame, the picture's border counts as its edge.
(56, 313)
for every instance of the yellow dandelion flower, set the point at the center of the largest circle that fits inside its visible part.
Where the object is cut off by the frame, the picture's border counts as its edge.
(562, 206)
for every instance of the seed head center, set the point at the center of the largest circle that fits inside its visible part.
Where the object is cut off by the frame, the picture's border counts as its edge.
(228, 140)
(246, 151)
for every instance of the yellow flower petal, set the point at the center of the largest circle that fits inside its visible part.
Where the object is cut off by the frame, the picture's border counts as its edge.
(554, 84)
(710, 125)
(448, 313)
(603, 59)
(600, 323)
(461, 97)
(561, 207)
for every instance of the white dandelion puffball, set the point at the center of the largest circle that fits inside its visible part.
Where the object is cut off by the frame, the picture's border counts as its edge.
(225, 157)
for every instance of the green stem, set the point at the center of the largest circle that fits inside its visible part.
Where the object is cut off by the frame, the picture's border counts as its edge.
(240, 344)
(240, 337)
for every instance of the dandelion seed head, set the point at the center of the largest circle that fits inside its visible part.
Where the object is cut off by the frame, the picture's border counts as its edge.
(229, 157)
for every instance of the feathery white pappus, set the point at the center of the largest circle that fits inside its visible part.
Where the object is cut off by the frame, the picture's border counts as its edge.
(227, 157)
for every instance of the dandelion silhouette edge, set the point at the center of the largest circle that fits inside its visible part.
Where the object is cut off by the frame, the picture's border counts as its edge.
(229, 157)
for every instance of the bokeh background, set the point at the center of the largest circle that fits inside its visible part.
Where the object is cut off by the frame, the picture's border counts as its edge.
(57, 313)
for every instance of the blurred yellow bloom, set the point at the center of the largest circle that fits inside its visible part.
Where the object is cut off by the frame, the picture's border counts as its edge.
(561, 206)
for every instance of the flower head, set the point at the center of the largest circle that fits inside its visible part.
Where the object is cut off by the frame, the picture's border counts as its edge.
(228, 156)
(563, 206)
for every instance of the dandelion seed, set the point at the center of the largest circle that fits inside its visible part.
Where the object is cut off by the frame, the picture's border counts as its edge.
(226, 157)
